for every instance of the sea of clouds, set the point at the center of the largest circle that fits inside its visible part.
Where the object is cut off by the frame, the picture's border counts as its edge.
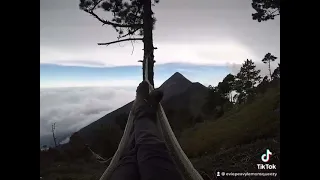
(74, 108)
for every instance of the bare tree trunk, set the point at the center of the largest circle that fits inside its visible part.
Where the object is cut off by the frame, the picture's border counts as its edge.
(270, 71)
(54, 137)
(148, 40)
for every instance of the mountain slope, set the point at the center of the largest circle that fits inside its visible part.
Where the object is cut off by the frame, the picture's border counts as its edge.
(192, 98)
(88, 132)
(179, 93)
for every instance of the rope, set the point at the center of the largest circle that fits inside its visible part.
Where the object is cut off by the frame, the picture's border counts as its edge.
(184, 165)
(98, 157)
(124, 140)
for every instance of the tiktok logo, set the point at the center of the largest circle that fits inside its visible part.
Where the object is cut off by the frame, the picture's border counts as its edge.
(266, 157)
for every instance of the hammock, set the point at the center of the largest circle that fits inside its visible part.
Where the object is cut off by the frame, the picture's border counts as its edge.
(186, 169)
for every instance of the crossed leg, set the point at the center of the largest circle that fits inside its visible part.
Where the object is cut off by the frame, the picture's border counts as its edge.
(127, 168)
(146, 156)
(153, 158)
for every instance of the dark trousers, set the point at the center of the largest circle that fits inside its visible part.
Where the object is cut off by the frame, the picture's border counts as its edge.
(146, 156)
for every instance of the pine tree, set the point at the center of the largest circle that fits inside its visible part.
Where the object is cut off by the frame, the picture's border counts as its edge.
(265, 9)
(130, 19)
(226, 86)
(246, 80)
(268, 58)
(262, 87)
(212, 100)
(276, 73)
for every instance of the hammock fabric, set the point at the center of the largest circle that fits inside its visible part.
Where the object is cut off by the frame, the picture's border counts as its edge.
(185, 167)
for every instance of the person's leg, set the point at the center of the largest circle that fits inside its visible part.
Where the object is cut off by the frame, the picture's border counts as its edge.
(153, 157)
(127, 167)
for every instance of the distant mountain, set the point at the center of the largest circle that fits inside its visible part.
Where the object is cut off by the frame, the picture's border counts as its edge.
(191, 98)
(184, 109)
(179, 94)
(175, 85)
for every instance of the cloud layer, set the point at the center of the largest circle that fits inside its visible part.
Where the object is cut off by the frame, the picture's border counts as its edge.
(207, 32)
(73, 108)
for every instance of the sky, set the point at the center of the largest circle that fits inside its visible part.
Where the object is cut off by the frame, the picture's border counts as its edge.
(204, 40)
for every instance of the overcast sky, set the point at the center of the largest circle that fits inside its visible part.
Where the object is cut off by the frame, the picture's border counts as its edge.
(203, 31)
(213, 35)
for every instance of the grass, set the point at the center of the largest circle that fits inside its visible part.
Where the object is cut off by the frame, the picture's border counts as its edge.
(242, 125)
(236, 141)
(241, 158)
(78, 170)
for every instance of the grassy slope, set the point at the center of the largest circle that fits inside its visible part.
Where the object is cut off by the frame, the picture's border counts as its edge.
(236, 141)
(244, 125)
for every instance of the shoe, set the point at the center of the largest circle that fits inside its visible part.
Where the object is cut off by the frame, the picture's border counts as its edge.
(146, 103)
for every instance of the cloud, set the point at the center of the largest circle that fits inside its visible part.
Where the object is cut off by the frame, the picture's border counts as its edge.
(235, 68)
(66, 140)
(90, 83)
(210, 53)
(73, 108)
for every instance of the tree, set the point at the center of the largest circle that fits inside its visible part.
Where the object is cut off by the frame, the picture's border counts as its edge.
(262, 87)
(219, 96)
(226, 86)
(214, 100)
(265, 9)
(246, 80)
(276, 73)
(53, 127)
(268, 58)
(130, 19)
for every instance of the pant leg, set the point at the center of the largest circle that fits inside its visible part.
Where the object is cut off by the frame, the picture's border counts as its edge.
(127, 168)
(153, 157)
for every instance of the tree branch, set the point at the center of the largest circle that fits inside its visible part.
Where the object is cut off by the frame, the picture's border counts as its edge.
(271, 13)
(129, 33)
(94, 7)
(111, 23)
(132, 47)
(136, 29)
(128, 39)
